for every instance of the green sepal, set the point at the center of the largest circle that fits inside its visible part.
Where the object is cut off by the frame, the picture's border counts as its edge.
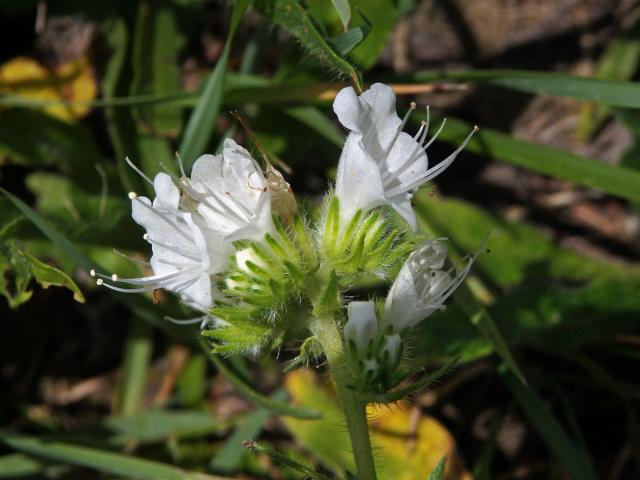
(329, 299)
(302, 240)
(240, 337)
(331, 228)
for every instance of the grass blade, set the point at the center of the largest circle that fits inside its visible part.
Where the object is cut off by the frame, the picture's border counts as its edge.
(574, 460)
(102, 461)
(135, 364)
(616, 180)
(438, 472)
(608, 92)
(203, 118)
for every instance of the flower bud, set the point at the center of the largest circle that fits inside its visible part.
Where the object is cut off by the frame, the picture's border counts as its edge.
(362, 327)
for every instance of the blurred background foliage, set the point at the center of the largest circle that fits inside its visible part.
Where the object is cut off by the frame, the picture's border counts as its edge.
(546, 332)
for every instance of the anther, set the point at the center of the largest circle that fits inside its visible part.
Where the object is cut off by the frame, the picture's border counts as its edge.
(99, 282)
(114, 277)
(476, 128)
(132, 195)
(412, 105)
(92, 272)
(145, 236)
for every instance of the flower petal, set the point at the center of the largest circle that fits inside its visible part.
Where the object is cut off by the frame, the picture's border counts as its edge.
(358, 183)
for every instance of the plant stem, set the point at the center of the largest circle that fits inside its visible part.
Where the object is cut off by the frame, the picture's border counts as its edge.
(326, 330)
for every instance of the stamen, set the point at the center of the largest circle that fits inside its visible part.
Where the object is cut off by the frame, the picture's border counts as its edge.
(137, 170)
(419, 138)
(186, 321)
(131, 259)
(114, 277)
(99, 282)
(92, 272)
(432, 172)
(433, 139)
(180, 165)
(132, 195)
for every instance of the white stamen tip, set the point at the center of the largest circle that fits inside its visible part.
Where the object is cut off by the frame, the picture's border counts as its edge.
(132, 195)
(114, 277)
(99, 282)
(145, 236)
(476, 128)
(423, 123)
(92, 272)
(412, 105)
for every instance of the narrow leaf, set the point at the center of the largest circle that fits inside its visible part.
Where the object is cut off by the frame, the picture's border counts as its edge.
(344, 11)
(102, 461)
(574, 460)
(202, 121)
(608, 92)
(616, 180)
(292, 16)
(438, 472)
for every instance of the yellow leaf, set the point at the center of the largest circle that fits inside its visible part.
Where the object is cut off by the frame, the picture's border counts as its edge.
(69, 88)
(407, 445)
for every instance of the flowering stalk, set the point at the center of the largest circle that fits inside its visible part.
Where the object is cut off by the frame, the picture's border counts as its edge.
(326, 331)
(230, 242)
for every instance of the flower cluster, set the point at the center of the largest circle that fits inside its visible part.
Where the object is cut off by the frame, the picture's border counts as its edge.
(228, 240)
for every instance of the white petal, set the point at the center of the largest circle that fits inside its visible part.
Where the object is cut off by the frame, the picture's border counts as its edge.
(362, 324)
(402, 205)
(403, 307)
(167, 194)
(358, 183)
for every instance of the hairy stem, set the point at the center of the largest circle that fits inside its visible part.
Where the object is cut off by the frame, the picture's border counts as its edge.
(326, 331)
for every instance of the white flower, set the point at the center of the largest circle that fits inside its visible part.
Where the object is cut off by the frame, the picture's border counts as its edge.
(185, 254)
(230, 193)
(422, 286)
(361, 328)
(380, 164)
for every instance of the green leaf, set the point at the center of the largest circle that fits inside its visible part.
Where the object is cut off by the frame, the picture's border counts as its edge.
(25, 267)
(280, 458)
(229, 457)
(618, 62)
(620, 181)
(139, 305)
(115, 83)
(17, 465)
(279, 408)
(608, 92)
(202, 121)
(192, 384)
(294, 18)
(156, 44)
(344, 11)
(57, 144)
(157, 425)
(347, 41)
(135, 364)
(574, 460)
(382, 16)
(438, 472)
(550, 297)
(102, 461)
